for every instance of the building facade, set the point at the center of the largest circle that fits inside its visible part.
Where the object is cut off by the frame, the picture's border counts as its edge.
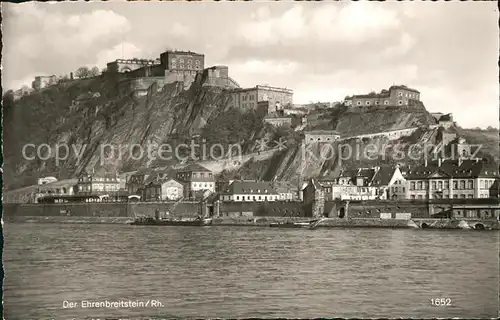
(98, 184)
(452, 179)
(249, 98)
(138, 181)
(396, 96)
(195, 179)
(321, 136)
(182, 61)
(129, 65)
(390, 183)
(250, 191)
(163, 190)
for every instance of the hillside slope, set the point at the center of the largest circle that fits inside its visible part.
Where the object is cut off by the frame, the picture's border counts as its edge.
(123, 121)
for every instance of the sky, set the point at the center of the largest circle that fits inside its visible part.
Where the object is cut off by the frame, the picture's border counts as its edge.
(322, 50)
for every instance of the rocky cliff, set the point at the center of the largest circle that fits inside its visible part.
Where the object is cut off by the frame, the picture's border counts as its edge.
(108, 130)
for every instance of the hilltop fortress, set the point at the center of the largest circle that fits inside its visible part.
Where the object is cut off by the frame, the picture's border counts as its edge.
(397, 95)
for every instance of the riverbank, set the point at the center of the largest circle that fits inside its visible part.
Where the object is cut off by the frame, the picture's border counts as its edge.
(266, 221)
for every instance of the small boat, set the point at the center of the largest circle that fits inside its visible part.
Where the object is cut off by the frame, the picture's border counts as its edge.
(150, 221)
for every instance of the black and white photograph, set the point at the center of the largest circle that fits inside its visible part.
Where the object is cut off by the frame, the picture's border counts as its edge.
(250, 159)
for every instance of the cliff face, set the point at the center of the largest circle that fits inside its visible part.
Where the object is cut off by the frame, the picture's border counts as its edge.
(377, 119)
(97, 128)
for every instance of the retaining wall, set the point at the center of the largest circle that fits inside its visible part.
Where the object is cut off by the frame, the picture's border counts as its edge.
(190, 209)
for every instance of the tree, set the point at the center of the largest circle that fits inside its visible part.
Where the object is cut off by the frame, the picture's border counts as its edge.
(82, 73)
(94, 72)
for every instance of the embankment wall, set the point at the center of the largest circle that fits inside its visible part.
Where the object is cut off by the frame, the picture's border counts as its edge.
(100, 209)
(367, 209)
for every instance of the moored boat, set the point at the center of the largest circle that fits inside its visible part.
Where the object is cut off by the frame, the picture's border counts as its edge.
(290, 224)
(150, 221)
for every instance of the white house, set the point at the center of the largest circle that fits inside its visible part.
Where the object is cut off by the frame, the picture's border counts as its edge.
(250, 191)
(166, 189)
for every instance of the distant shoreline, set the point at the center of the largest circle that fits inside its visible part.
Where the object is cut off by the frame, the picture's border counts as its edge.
(437, 224)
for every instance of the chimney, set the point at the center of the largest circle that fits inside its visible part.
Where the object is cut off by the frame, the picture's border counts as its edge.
(477, 160)
(425, 162)
(440, 161)
(459, 162)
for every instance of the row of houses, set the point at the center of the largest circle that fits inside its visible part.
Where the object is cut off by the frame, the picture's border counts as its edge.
(195, 182)
(440, 179)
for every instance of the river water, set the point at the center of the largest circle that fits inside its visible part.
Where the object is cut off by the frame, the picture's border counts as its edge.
(238, 272)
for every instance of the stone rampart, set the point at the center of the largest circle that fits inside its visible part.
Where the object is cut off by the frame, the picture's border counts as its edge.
(391, 135)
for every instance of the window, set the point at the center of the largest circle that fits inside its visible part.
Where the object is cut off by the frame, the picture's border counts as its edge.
(358, 103)
(182, 66)
(471, 184)
(462, 196)
(400, 94)
(412, 186)
(483, 184)
(367, 102)
(237, 197)
(197, 62)
(400, 102)
(181, 60)
(447, 184)
(455, 185)
(469, 196)
(419, 185)
(455, 196)
(462, 184)
(386, 102)
(433, 185)
(440, 185)
(413, 196)
(377, 102)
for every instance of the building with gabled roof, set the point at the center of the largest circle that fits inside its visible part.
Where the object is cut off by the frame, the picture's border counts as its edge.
(195, 178)
(164, 189)
(254, 191)
(390, 183)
